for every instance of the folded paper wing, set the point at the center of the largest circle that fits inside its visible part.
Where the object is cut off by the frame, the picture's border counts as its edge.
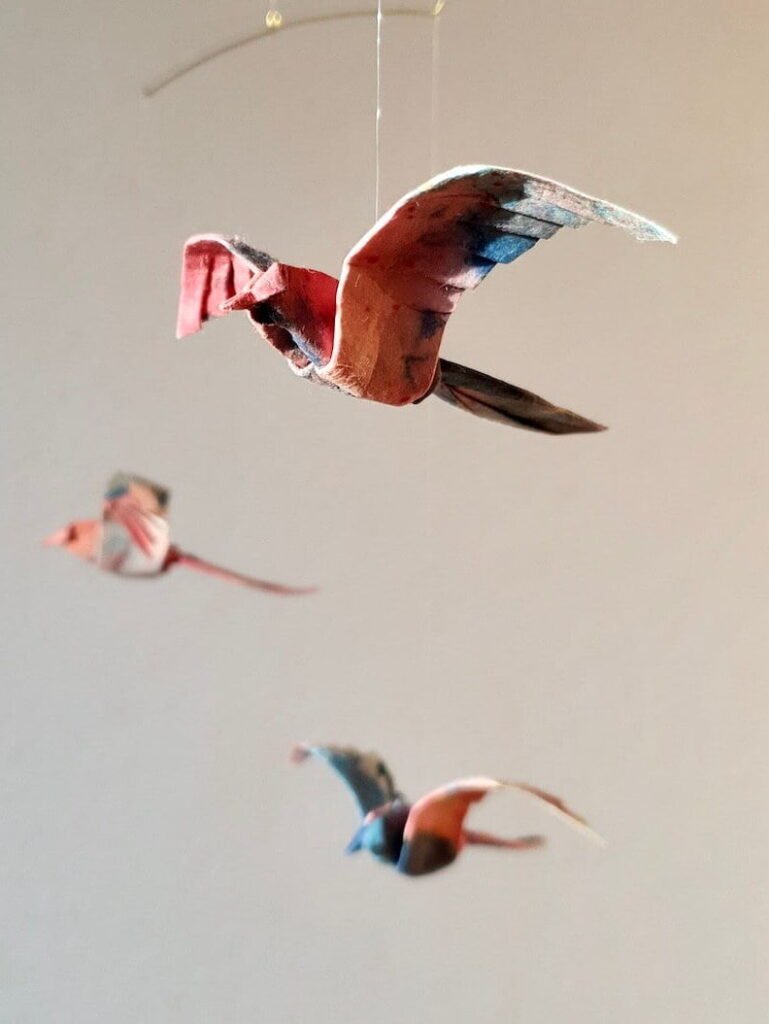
(136, 535)
(402, 281)
(434, 830)
(365, 774)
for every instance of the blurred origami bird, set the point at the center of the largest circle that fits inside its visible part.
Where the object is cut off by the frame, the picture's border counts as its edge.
(426, 836)
(376, 333)
(132, 537)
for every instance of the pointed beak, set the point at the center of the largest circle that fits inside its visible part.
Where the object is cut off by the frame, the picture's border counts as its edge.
(263, 286)
(243, 300)
(58, 539)
(356, 843)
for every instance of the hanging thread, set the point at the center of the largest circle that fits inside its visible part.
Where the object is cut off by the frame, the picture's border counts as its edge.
(378, 122)
(435, 84)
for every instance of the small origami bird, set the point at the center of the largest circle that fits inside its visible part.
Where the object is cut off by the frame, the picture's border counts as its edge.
(376, 333)
(132, 537)
(426, 836)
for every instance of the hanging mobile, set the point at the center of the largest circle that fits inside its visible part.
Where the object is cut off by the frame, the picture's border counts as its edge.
(376, 332)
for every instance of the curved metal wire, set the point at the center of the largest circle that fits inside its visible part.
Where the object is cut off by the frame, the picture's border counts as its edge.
(278, 27)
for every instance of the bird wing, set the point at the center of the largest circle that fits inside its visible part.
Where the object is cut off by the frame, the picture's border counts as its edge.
(134, 515)
(214, 271)
(442, 813)
(402, 281)
(366, 774)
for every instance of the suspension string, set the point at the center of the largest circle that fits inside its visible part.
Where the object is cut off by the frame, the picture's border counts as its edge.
(378, 121)
(430, 605)
(435, 84)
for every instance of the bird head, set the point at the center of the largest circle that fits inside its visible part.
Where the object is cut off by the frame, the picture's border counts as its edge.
(262, 287)
(79, 537)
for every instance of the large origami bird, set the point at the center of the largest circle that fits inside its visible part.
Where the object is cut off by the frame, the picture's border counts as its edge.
(376, 333)
(132, 537)
(426, 836)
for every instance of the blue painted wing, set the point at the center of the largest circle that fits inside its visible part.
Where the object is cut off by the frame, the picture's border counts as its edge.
(402, 281)
(149, 497)
(366, 775)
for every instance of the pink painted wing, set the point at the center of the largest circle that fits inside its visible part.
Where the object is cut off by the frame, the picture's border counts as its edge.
(442, 813)
(402, 281)
(214, 271)
(136, 536)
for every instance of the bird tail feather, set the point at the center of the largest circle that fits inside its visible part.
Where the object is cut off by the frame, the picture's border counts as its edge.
(177, 557)
(494, 399)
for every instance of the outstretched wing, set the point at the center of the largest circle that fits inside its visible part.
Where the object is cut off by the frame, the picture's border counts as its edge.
(134, 518)
(435, 823)
(214, 271)
(367, 776)
(402, 281)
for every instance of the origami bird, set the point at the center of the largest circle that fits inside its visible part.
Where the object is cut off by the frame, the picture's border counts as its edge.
(376, 333)
(132, 537)
(429, 835)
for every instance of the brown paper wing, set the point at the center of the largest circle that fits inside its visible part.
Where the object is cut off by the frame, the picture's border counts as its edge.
(402, 281)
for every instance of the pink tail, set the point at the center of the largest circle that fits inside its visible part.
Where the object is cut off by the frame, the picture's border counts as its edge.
(177, 557)
(521, 843)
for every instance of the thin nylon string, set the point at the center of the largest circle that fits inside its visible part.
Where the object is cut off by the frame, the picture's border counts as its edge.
(434, 93)
(432, 614)
(378, 119)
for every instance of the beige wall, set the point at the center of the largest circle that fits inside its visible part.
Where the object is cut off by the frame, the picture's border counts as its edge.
(588, 613)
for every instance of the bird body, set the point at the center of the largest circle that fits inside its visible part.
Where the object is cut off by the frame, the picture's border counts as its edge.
(133, 537)
(376, 333)
(110, 548)
(424, 837)
(382, 834)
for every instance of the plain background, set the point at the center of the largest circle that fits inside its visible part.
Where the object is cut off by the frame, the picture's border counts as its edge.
(586, 613)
